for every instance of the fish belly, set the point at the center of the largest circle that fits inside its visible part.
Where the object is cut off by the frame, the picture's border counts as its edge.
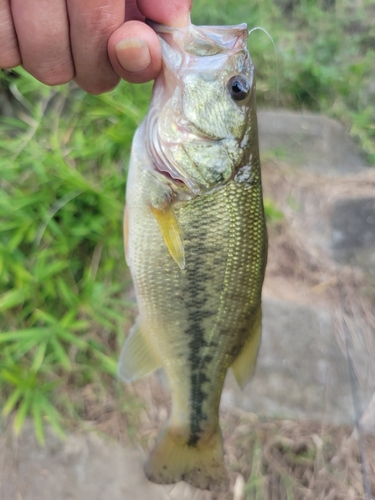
(197, 319)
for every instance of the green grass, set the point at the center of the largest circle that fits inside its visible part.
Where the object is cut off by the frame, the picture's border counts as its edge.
(62, 271)
(326, 58)
(254, 487)
(63, 279)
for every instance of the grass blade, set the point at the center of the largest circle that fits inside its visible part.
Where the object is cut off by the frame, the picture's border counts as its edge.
(60, 354)
(25, 334)
(22, 413)
(12, 298)
(11, 402)
(38, 422)
(53, 415)
(39, 356)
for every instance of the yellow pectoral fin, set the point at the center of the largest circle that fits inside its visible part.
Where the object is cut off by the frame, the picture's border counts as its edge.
(243, 366)
(137, 358)
(170, 230)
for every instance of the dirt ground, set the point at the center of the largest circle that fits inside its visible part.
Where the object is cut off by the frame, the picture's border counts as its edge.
(273, 459)
(267, 458)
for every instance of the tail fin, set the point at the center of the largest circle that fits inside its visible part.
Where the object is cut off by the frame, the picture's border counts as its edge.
(201, 465)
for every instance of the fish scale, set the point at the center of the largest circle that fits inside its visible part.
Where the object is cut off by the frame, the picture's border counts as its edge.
(197, 261)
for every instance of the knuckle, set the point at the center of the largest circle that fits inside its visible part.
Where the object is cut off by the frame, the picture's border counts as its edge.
(102, 22)
(53, 74)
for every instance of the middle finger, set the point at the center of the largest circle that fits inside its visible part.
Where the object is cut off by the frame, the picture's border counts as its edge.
(91, 24)
(43, 38)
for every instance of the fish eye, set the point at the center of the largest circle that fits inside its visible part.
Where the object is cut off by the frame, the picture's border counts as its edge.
(239, 87)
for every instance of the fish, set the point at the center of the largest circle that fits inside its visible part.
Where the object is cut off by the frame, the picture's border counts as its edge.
(196, 243)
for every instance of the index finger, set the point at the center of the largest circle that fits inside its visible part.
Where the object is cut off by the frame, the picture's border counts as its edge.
(170, 12)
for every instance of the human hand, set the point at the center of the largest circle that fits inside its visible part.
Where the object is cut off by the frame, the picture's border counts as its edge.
(86, 40)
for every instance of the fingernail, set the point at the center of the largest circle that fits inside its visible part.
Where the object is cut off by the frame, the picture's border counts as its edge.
(133, 54)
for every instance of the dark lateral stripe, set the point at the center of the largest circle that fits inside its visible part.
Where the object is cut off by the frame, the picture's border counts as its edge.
(197, 293)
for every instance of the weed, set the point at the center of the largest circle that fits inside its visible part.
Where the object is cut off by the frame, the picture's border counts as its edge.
(326, 56)
(254, 488)
(62, 271)
(271, 211)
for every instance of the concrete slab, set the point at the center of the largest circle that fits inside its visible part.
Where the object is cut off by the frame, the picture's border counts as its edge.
(300, 373)
(84, 467)
(352, 227)
(310, 141)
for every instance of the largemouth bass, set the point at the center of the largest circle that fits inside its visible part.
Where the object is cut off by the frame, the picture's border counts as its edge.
(196, 243)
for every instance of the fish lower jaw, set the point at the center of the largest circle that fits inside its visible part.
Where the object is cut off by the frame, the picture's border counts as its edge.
(171, 174)
(174, 178)
(157, 152)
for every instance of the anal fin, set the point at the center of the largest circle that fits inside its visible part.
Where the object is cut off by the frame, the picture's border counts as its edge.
(170, 230)
(243, 366)
(137, 358)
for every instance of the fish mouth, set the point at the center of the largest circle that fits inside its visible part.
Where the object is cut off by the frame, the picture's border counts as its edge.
(163, 165)
(162, 160)
(170, 145)
(160, 163)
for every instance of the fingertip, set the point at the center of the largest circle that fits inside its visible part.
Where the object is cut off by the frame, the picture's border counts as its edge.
(97, 87)
(10, 60)
(135, 53)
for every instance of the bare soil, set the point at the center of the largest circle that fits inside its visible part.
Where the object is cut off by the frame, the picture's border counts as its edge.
(271, 459)
(284, 459)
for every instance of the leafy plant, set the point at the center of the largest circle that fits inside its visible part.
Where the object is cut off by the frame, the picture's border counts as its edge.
(325, 54)
(271, 211)
(33, 398)
(62, 271)
(254, 488)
